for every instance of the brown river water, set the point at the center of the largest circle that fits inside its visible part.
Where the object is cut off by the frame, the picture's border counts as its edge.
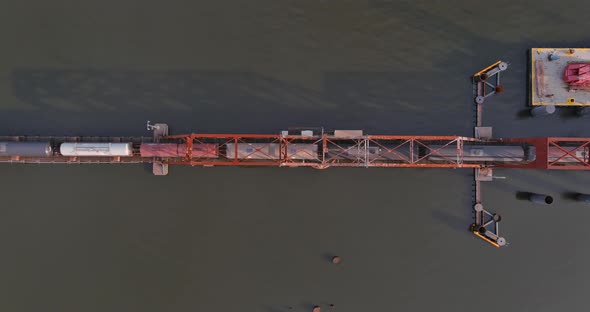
(116, 238)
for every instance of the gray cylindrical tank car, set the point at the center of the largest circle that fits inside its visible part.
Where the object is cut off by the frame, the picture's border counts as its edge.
(26, 149)
(481, 153)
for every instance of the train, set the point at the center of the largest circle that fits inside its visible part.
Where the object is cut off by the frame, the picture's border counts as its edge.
(493, 154)
(99, 149)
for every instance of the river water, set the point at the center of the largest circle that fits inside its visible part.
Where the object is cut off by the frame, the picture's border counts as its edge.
(115, 238)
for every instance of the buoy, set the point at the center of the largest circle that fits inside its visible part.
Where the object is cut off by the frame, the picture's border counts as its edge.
(478, 207)
(541, 199)
(542, 110)
(479, 99)
(585, 198)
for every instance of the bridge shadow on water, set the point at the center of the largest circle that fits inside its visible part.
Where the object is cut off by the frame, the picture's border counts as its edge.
(111, 102)
(432, 101)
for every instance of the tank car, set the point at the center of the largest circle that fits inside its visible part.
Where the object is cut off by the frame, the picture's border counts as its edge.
(26, 149)
(480, 153)
(96, 149)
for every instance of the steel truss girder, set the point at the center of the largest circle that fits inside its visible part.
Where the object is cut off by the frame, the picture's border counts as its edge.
(556, 153)
(394, 151)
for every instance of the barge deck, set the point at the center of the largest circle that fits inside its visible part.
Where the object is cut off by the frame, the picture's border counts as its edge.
(547, 69)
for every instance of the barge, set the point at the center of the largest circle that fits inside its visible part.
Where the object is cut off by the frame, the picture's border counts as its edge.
(560, 77)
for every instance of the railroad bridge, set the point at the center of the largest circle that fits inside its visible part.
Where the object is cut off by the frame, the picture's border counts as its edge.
(321, 149)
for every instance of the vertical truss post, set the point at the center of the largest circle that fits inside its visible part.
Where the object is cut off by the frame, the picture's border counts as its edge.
(189, 147)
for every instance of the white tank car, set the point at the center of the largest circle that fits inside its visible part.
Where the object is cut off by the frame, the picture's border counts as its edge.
(96, 149)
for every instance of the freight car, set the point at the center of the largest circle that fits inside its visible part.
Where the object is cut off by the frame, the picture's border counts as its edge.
(96, 149)
(205, 150)
(302, 151)
(506, 154)
(271, 151)
(481, 153)
(352, 153)
(252, 151)
(357, 153)
(26, 149)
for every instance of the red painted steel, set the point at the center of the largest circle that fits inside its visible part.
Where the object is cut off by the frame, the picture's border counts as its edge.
(556, 153)
(177, 150)
(325, 150)
(299, 151)
(568, 153)
(381, 151)
(577, 74)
